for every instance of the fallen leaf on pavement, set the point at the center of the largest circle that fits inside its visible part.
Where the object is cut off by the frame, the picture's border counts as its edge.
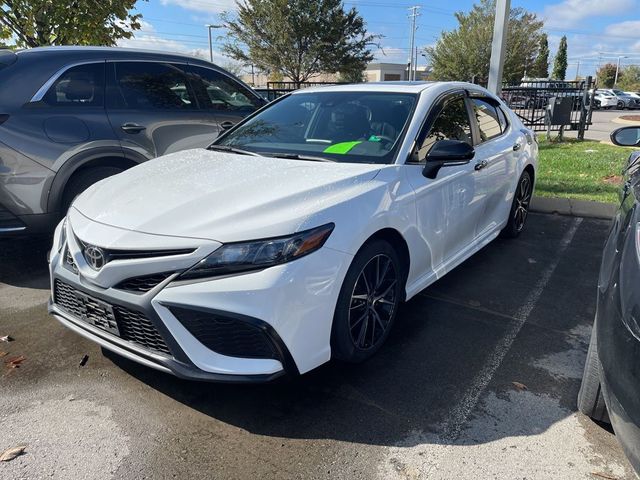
(15, 362)
(520, 386)
(6, 338)
(2, 354)
(604, 475)
(84, 360)
(12, 453)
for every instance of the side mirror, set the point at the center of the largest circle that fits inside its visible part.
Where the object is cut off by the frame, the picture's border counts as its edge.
(446, 153)
(626, 137)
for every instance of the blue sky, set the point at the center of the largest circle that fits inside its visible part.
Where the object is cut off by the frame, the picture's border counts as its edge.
(597, 30)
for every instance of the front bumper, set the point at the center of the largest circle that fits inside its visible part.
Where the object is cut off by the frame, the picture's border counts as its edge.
(291, 304)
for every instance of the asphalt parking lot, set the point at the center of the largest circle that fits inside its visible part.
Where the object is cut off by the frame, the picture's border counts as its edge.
(438, 401)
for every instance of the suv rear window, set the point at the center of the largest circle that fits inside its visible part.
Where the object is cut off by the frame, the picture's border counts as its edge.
(150, 86)
(79, 86)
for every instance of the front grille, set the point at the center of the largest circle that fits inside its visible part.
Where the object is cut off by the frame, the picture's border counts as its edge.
(226, 335)
(8, 219)
(142, 284)
(134, 326)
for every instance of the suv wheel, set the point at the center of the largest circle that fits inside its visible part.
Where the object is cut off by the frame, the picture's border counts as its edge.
(82, 180)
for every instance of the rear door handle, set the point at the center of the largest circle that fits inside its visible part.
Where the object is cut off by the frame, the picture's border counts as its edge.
(227, 125)
(481, 165)
(132, 127)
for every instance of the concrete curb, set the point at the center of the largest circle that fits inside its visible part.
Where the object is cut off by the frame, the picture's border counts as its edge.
(576, 208)
(622, 121)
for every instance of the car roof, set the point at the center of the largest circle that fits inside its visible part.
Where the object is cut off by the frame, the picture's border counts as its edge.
(389, 87)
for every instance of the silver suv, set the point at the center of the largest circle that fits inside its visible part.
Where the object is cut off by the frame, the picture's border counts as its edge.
(70, 116)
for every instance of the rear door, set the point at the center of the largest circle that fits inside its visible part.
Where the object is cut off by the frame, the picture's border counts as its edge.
(222, 96)
(153, 110)
(497, 149)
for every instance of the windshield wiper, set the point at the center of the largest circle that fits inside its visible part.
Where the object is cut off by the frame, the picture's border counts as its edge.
(296, 156)
(230, 149)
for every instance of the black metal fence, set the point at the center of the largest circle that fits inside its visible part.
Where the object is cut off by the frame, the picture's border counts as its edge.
(529, 101)
(277, 89)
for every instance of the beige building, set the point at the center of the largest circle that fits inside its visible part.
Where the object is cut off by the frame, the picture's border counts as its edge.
(392, 72)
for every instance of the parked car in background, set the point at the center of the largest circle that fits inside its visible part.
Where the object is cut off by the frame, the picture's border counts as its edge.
(635, 95)
(610, 388)
(294, 237)
(604, 100)
(71, 116)
(623, 100)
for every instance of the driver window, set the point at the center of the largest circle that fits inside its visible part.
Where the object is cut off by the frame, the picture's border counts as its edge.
(452, 123)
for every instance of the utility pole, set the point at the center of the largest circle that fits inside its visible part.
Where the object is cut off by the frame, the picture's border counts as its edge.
(500, 33)
(578, 71)
(209, 27)
(412, 65)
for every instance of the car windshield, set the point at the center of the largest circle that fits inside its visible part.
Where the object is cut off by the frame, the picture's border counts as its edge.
(360, 127)
(619, 92)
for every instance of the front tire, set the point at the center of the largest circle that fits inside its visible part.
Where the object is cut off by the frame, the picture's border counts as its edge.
(519, 207)
(367, 303)
(590, 398)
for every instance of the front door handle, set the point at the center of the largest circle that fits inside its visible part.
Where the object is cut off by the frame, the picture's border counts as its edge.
(517, 147)
(481, 165)
(132, 127)
(227, 125)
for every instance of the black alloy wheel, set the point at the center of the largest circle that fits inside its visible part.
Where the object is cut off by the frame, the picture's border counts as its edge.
(368, 302)
(519, 207)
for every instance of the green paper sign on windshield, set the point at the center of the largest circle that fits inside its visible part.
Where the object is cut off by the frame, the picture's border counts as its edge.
(341, 148)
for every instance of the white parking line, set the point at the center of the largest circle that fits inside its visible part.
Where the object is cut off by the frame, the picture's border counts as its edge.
(460, 413)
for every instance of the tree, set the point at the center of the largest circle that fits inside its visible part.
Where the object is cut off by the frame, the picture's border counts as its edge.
(560, 62)
(606, 75)
(540, 67)
(35, 23)
(298, 38)
(630, 79)
(352, 76)
(465, 52)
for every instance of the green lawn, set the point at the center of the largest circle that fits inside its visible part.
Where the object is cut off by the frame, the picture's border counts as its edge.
(583, 170)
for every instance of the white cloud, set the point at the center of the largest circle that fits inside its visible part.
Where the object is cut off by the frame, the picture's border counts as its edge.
(147, 39)
(628, 29)
(569, 13)
(211, 6)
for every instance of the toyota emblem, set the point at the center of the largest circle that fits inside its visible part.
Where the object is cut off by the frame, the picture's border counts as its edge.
(95, 257)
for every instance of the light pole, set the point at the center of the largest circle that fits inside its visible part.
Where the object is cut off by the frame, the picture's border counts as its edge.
(209, 27)
(615, 82)
(500, 32)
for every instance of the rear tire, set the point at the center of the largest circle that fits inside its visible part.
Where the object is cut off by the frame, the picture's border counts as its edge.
(367, 303)
(590, 398)
(519, 207)
(82, 180)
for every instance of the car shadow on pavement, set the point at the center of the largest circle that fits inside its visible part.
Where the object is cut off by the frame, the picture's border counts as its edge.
(424, 379)
(23, 262)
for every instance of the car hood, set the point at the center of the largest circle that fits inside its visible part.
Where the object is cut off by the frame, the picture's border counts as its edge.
(222, 196)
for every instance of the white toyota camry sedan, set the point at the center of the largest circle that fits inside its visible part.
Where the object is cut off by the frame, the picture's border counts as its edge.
(295, 236)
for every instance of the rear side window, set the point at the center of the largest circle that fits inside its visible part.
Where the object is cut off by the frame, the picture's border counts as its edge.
(219, 92)
(488, 119)
(82, 85)
(149, 86)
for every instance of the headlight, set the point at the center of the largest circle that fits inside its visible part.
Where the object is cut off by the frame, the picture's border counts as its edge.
(259, 254)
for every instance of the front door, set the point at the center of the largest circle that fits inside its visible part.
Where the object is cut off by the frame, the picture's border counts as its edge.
(153, 110)
(448, 206)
